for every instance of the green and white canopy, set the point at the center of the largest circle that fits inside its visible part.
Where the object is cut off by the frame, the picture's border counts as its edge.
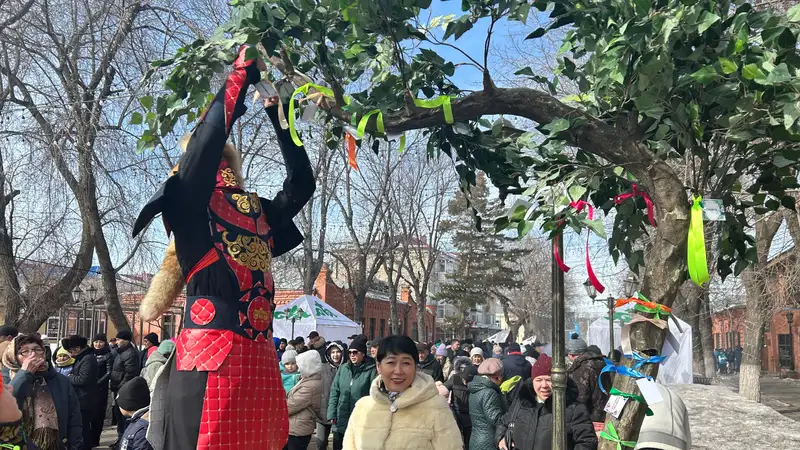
(310, 313)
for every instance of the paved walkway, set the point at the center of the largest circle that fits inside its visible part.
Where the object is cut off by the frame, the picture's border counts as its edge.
(781, 395)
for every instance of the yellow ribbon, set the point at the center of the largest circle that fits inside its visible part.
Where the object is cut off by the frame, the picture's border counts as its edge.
(362, 124)
(442, 101)
(696, 251)
(303, 90)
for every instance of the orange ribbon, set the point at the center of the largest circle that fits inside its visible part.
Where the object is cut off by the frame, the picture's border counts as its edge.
(646, 304)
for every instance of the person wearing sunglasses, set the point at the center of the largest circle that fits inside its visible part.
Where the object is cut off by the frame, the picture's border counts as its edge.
(351, 383)
(51, 412)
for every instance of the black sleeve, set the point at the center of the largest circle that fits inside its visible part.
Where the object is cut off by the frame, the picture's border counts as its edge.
(87, 375)
(299, 185)
(198, 166)
(109, 366)
(131, 367)
(438, 374)
(582, 430)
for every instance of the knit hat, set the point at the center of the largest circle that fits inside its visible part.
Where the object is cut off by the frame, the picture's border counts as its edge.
(134, 395)
(543, 366)
(289, 357)
(66, 363)
(668, 427)
(359, 344)
(166, 348)
(490, 366)
(576, 346)
(514, 348)
(100, 337)
(441, 350)
(152, 337)
(125, 335)
(476, 351)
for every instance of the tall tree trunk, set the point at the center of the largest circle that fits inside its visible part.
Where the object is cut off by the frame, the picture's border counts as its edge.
(421, 301)
(707, 332)
(693, 301)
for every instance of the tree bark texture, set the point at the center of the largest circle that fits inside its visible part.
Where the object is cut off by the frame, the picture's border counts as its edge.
(707, 336)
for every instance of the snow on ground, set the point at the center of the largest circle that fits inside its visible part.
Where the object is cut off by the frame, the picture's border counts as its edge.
(721, 419)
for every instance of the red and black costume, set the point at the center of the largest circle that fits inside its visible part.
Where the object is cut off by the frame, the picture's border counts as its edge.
(222, 388)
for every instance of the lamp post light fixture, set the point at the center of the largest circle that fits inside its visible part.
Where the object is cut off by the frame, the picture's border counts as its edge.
(610, 303)
(92, 292)
(630, 286)
(77, 293)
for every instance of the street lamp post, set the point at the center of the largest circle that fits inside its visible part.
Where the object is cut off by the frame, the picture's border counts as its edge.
(610, 302)
(76, 298)
(294, 318)
(789, 320)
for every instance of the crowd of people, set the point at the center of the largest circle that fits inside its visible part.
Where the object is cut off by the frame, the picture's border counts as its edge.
(392, 393)
(60, 402)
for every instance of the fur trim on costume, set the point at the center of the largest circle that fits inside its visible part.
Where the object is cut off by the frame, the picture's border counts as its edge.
(167, 284)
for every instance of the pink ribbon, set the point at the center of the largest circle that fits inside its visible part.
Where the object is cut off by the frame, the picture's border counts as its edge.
(636, 192)
(579, 205)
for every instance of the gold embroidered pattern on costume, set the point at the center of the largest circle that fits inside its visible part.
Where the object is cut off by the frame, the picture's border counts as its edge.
(228, 177)
(249, 251)
(255, 201)
(242, 202)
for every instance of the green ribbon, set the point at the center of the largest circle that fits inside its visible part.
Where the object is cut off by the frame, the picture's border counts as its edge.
(442, 101)
(12, 447)
(303, 90)
(610, 434)
(696, 251)
(638, 398)
(659, 311)
(402, 143)
(362, 124)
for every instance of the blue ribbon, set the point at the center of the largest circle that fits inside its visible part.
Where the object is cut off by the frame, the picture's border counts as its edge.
(641, 360)
(622, 370)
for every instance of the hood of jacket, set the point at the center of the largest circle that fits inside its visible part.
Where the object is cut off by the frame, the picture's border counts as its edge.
(461, 364)
(156, 357)
(342, 348)
(515, 360)
(309, 363)
(587, 358)
(423, 388)
(480, 383)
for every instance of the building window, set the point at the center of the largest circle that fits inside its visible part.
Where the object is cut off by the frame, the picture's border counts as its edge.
(414, 330)
(372, 328)
(716, 340)
(383, 328)
(53, 326)
(738, 339)
(168, 330)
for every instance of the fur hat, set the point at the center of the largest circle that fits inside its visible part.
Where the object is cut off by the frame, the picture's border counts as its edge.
(290, 357)
(309, 363)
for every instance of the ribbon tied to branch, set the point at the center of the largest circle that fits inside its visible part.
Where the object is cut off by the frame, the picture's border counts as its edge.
(626, 330)
(645, 306)
(638, 398)
(610, 434)
(635, 192)
(641, 360)
(696, 244)
(579, 207)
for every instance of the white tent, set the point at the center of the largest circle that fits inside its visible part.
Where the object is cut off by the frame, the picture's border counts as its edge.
(676, 369)
(312, 314)
(500, 337)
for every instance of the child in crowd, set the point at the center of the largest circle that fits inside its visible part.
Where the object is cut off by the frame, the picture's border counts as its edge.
(64, 361)
(134, 404)
(289, 371)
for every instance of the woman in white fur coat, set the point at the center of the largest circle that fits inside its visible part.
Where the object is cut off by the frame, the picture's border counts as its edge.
(304, 401)
(404, 409)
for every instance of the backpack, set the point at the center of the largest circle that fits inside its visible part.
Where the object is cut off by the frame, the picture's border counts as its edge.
(459, 402)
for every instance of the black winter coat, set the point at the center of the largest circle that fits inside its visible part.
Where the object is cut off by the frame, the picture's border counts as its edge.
(105, 363)
(83, 379)
(530, 423)
(125, 367)
(584, 372)
(431, 367)
(134, 437)
(516, 365)
(459, 397)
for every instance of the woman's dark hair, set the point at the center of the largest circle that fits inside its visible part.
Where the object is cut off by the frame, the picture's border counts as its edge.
(28, 339)
(397, 345)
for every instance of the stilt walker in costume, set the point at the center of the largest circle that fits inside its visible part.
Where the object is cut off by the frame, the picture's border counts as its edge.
(221, 389)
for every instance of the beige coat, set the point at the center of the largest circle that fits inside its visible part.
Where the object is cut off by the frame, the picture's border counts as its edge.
(304, 400)
(422, 420)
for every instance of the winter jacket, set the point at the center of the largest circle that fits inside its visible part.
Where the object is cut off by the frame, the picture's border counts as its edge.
(584, 372)
(432, 367)
(154, 362)
(328, 373)
(125, 367)
(290, 380)
(486, 407)
(514, 364)
(533, 422)
(105, 363)
(84, 380)
(421, 420)
(458, 385)
(305, 398)
(349, 385)
(68, 408)
(135, 431)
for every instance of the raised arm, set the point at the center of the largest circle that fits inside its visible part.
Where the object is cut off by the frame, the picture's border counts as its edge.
(198, 166)
(299, 185)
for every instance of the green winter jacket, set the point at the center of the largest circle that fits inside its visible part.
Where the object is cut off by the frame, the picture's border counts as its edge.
(486, 407)
(349, 385)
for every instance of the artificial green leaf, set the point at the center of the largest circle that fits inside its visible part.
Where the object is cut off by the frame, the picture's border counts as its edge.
(793, 15)
(780, 161)
(780, 74)
(705, 75)
(524, 228)
(537, 33)
(791, 112)
(596, 226)
(136, 118)
(706, 20)
(752, 71)
(557, 126)
(727, 66)
(146, 101)
(576, 192)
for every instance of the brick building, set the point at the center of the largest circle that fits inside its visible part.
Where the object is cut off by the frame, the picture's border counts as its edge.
(781, 345)
(91, 320)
